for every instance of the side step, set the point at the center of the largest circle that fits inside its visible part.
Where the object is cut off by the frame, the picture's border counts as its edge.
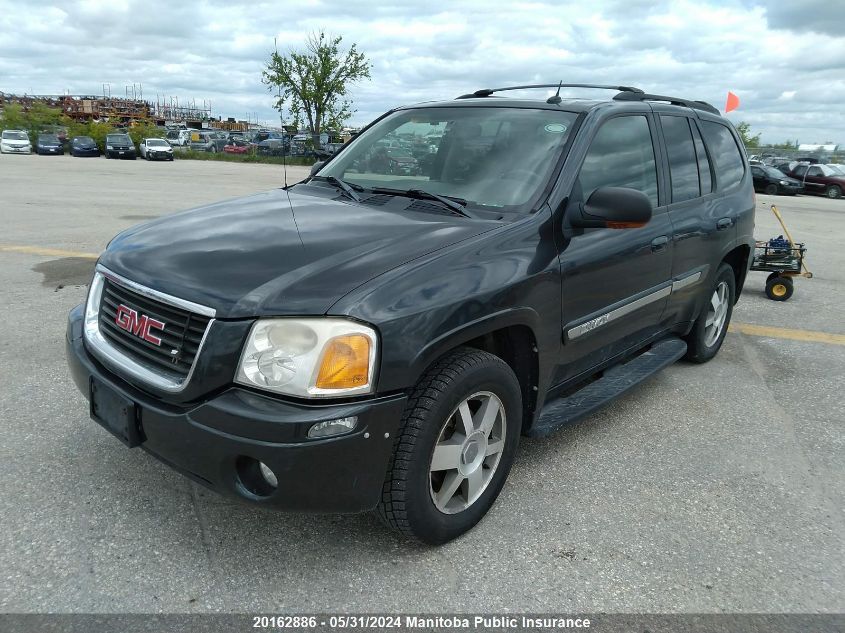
(615, 381)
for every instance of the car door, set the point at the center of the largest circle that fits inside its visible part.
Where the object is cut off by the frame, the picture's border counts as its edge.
(814, 180)
(759, 177)
(615, 282)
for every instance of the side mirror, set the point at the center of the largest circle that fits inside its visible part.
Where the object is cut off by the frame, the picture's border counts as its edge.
(317, 167)
(613, 208)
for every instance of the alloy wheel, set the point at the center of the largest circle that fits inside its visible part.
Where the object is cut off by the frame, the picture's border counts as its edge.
(467, 452)
(717, 313)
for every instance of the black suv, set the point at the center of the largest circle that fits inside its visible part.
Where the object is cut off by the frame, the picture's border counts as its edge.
(120, 146)
(371, 340)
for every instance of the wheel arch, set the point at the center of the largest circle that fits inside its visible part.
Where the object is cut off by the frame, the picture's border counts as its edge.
(510, 335)
(738, 259)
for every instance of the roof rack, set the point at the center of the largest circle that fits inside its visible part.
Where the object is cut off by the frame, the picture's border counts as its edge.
(626, 93)
(642, 96)
(486, 92)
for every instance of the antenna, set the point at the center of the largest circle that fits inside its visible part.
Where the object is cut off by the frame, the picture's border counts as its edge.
(556, 98)
(282, 124)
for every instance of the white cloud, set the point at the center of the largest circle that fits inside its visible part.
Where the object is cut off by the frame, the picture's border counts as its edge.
(786, 65)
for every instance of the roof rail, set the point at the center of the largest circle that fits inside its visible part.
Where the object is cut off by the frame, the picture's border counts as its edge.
(486, 92)
(642, 96)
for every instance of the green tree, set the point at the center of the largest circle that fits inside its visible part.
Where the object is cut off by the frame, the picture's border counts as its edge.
(744, 130)
(13, 118)
(314, 83)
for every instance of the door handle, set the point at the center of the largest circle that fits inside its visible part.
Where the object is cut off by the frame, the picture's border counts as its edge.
(659, 243)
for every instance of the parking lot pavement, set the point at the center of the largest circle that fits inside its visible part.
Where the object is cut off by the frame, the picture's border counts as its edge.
(709, 488)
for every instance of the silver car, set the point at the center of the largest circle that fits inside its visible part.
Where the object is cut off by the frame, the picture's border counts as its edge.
(156, 149)
(15, 142)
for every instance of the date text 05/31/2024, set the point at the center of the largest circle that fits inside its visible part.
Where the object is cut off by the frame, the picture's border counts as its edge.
(418, 622)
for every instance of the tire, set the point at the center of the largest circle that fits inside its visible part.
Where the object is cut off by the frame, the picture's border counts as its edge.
(833, 192)
(413, 500)
(704, 340)
(779, 288)
(772, 190)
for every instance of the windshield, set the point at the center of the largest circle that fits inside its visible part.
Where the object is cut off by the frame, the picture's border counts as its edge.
(156, 142)
(117, 138)
(48, 138)
(496, 157)
(84, 139)
(15, 136)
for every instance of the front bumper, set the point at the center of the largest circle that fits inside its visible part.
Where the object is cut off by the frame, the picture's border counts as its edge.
(209, 439)
(17, 149)
(159, 155)
(121, 153)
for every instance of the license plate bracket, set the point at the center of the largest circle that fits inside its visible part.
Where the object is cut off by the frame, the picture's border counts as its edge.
(118, 415)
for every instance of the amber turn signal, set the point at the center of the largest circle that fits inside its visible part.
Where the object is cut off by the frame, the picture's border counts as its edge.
(345, 363)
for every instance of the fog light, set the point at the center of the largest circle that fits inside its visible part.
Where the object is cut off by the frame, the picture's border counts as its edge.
(269, 475)
(333, 427)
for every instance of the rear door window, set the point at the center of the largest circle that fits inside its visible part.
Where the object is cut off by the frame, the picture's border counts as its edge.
(621, 155)
(705, 176)
(683, 166)
(725, 153)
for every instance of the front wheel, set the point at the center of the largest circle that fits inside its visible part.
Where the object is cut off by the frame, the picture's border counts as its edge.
(455, 447)
(709, 330)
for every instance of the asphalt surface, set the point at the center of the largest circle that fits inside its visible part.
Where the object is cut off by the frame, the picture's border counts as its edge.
(713, 488)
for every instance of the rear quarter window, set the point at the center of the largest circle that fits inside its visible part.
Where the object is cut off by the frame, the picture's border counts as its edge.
(726, 155)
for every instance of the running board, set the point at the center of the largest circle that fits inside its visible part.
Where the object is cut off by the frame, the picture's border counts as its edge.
(615, 381)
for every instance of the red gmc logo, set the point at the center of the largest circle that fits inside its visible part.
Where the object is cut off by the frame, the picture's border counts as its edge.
(138, 324)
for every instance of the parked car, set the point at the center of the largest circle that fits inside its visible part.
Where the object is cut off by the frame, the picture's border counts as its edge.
(155, 149)
(83, 146)
(237, 146)
(49, 144)
(207, 141)
(120, 146)
(366, 340)
(819, 179)
(773, 181)
(178, 137)
(270, 143)
(15, 142)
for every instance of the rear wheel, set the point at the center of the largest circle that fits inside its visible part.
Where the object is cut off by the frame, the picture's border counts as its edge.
(709, 330)
(833, 192)
(455, 448)
(779, 288)
(772, 189)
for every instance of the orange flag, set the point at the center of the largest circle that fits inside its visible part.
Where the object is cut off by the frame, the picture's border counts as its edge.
(732, 103)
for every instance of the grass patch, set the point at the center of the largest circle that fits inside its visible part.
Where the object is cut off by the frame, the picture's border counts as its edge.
(242, 158)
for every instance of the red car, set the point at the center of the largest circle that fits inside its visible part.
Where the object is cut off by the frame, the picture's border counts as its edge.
(819, 179)
(236, 149)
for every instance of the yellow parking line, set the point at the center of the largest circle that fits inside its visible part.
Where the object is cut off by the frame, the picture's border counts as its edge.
(47, 252)
(787, 333)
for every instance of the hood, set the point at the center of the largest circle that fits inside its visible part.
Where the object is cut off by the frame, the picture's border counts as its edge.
(278, 253)
(15, 142)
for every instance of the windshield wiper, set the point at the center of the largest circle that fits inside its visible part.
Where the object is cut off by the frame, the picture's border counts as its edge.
(455, 204)
(344, 186)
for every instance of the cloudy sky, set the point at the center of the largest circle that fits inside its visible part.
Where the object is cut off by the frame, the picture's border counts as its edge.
(784, 58)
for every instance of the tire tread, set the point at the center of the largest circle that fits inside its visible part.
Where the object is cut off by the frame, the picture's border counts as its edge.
(434, 382)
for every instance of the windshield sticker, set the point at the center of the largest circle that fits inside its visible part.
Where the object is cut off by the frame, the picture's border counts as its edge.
(555, 128)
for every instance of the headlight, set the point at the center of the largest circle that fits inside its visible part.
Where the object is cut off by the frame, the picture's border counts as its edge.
(109, 147)
(784, 183)
(309, 357)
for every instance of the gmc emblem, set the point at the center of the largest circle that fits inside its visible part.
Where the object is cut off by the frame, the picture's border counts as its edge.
(138, 324)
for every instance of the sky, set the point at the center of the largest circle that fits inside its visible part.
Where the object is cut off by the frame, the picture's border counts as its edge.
(785, 59)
